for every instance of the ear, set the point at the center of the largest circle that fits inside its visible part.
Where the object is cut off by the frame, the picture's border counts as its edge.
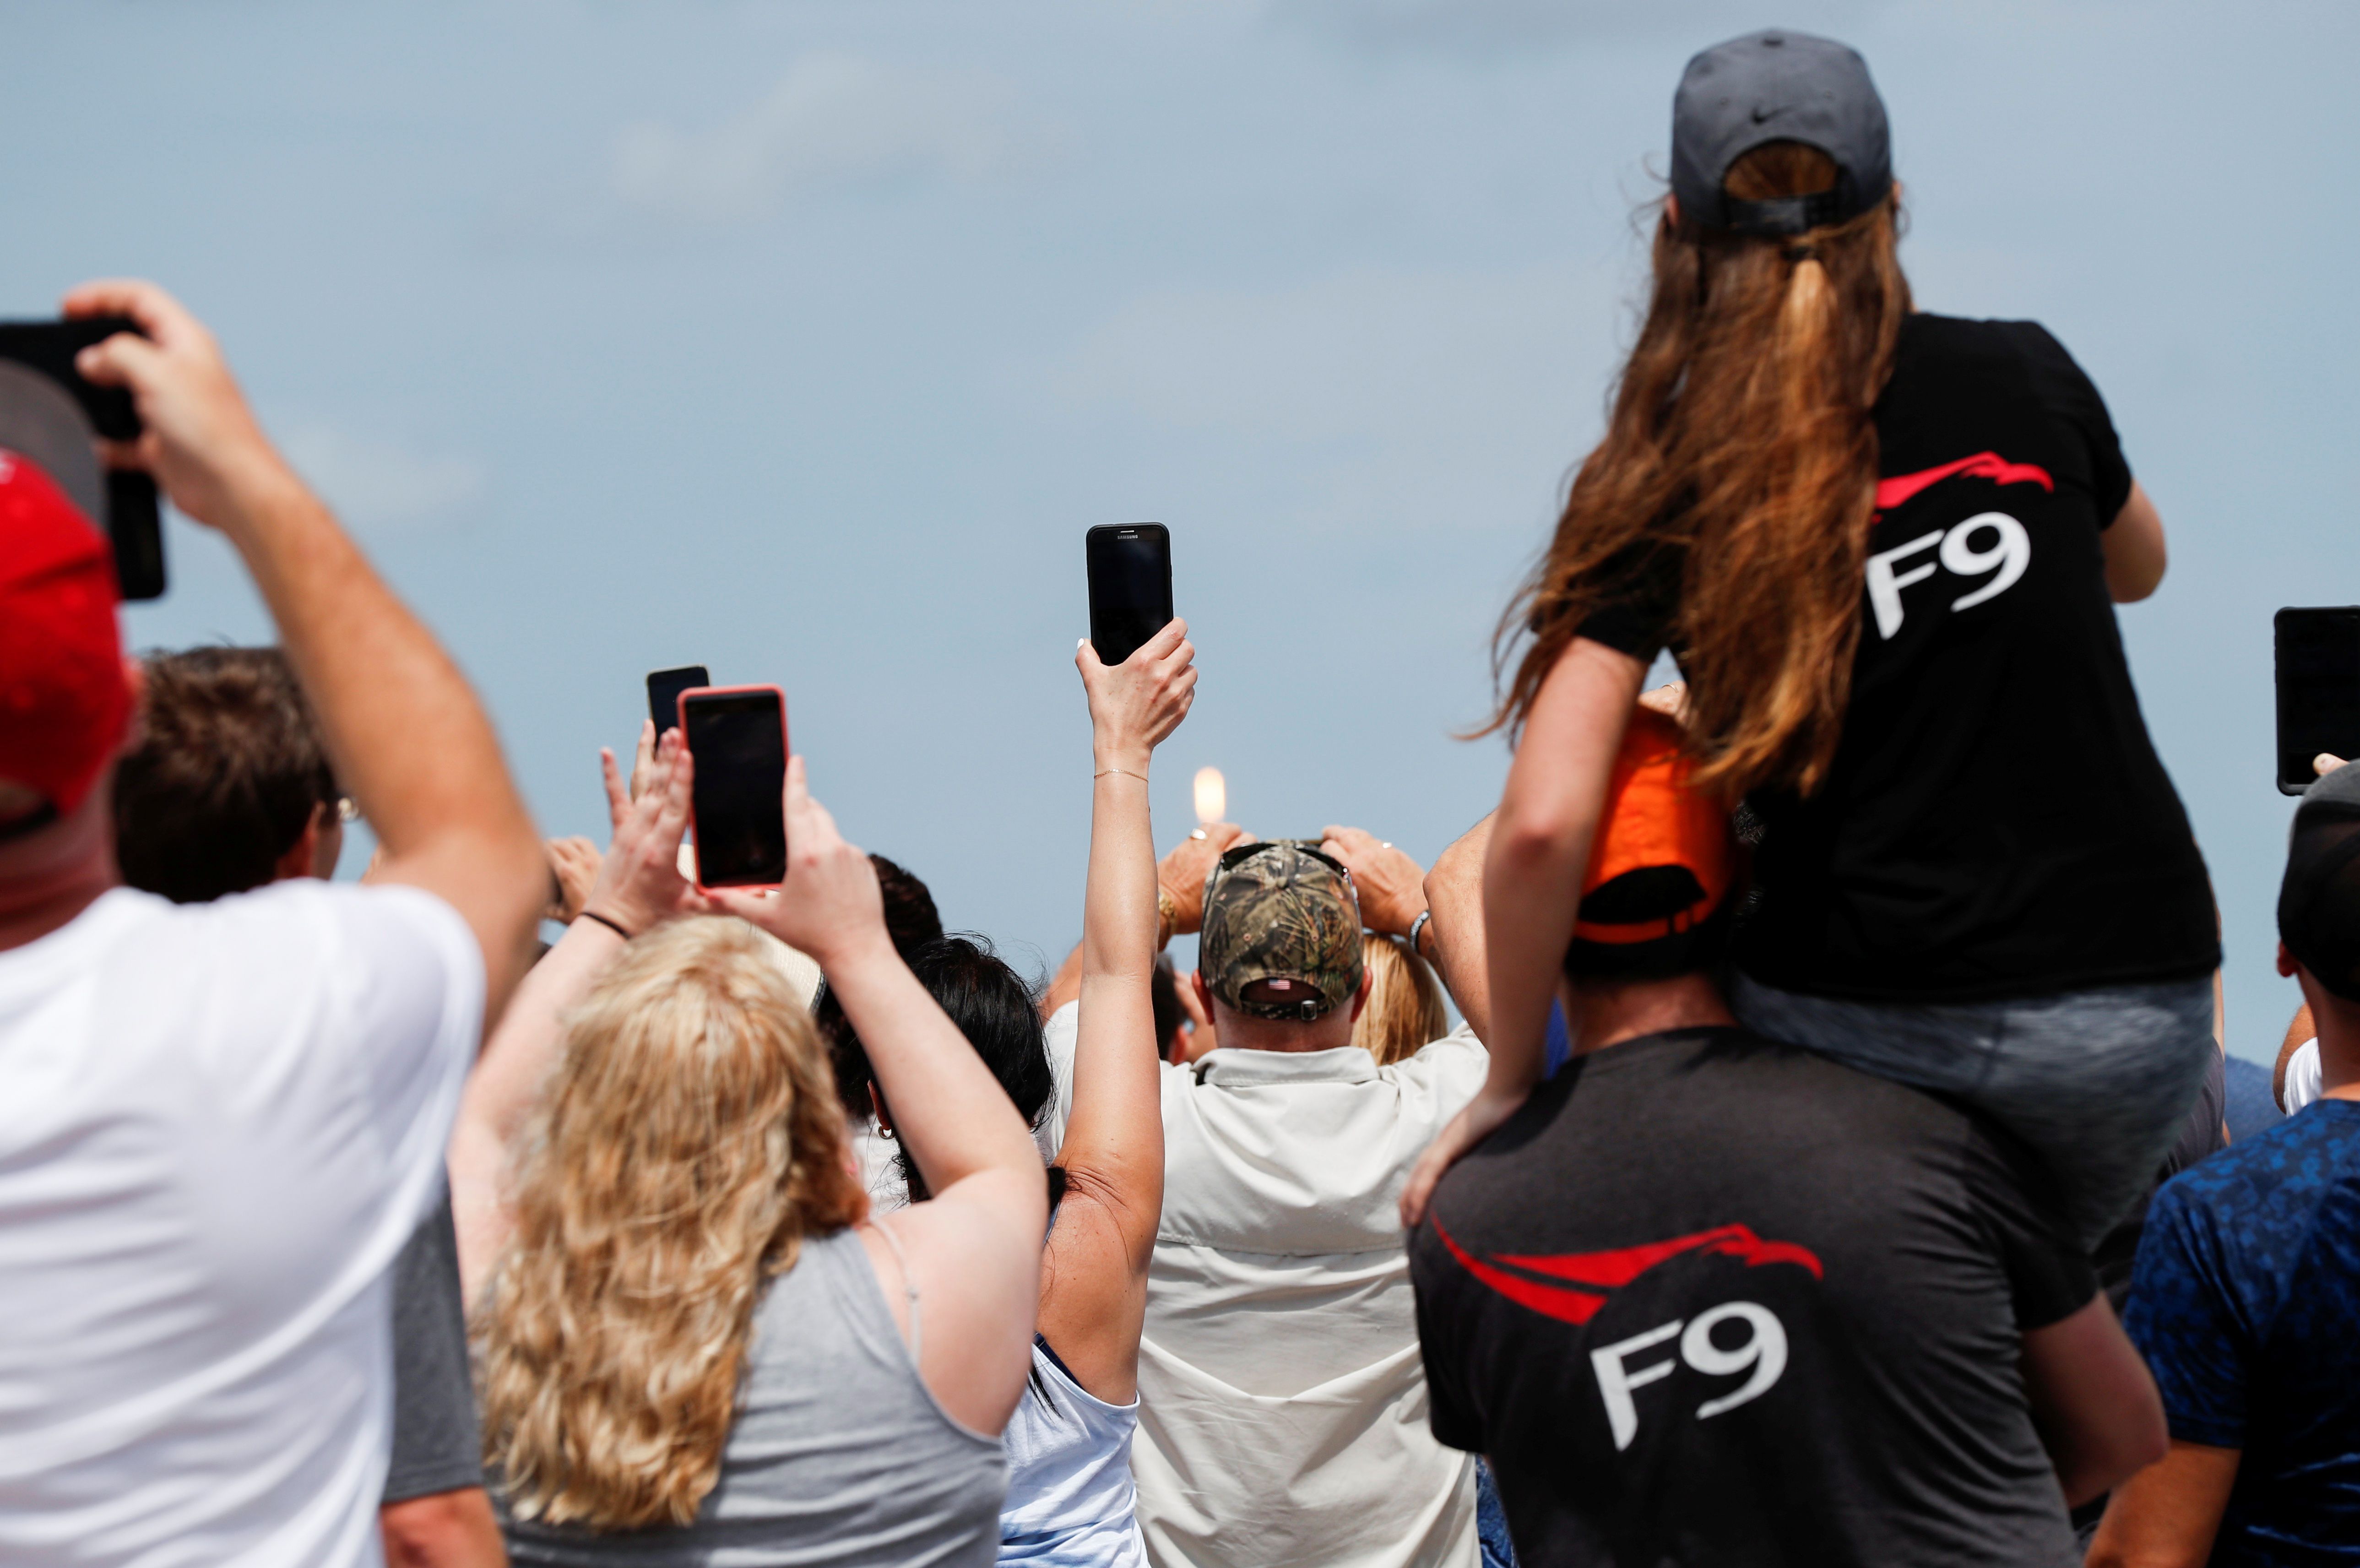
(1361, 996)
(135, 676)
(299, 857)
(1672, 209)
(1204, 992)
(2287, 965)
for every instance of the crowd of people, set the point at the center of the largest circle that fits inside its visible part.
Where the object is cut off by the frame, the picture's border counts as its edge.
(1827, 1167)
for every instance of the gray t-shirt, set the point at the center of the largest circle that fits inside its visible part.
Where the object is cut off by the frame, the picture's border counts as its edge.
(437, 1446)
(839, 1455)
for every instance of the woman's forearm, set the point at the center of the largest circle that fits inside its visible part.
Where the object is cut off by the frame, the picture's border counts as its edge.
(1115, 1128)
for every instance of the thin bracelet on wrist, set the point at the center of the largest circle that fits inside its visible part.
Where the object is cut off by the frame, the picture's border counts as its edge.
(1418, 928)
(614, 926)
(1126, 772)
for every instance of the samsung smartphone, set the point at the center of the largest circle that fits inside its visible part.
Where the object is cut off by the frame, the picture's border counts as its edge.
(2319, 690)
(664, 687)
(132, 519)
(1130, 586)
(738, 735)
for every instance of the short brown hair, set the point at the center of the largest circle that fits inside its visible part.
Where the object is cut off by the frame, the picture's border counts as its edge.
(228, 772)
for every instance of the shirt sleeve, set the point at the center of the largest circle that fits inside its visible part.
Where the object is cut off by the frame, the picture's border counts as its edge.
(2049, 1275)
(2069, 393)
(436, 1443)
(1638, 614)
(2186, 1323)
(1450, 1414)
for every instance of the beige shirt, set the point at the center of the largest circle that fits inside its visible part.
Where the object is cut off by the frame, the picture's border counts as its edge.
(1283, 1406)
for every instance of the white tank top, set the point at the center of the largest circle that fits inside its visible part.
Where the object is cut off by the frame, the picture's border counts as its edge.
(1070, 1501)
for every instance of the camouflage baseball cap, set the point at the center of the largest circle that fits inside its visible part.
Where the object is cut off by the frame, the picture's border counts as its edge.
(1280, 913)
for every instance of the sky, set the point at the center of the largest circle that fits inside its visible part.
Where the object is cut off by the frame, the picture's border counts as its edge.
(806, 340)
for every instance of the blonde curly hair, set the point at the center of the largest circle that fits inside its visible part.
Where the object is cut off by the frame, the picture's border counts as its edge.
(686, 1143)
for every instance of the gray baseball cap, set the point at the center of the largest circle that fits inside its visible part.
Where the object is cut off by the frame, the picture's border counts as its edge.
(1778, 86)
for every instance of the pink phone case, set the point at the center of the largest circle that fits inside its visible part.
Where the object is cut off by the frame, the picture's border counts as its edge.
(784, 750)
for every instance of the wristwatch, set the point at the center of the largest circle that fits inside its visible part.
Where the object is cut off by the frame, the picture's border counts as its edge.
(1418, 928)
(1167, 916)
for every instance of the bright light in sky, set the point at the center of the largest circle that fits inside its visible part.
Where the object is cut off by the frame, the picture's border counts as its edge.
(1212, 795)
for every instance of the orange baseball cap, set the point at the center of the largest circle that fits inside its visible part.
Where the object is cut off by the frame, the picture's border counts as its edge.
(1663, 870)
(64, 698)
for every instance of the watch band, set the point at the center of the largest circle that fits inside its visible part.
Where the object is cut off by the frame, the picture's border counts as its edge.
(1418, 928)
(1167, 916)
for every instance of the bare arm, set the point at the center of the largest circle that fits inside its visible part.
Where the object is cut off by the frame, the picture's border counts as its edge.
(639, 886)
(974, 1249)
(442, 1530)
(2093, 1400)
(1532, 883)
(1454, 891)
(1181, 876)
(1093, 1276)
(407, 736)
(2167, 1515)
(2134, 547)
(2299, 1029)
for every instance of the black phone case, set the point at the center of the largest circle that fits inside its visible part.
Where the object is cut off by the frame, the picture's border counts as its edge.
(1117, 634)
(134, 520)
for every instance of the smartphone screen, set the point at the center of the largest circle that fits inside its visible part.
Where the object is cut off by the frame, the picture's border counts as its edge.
(1130, 586)
(2319, 690)
(664, 687)
(133, 521)
(738, 735)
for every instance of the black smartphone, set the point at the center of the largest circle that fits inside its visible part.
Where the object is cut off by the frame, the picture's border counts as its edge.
(1130, 586)
(133, 520)
(737, 737)
(664, 687)
(2319, 690)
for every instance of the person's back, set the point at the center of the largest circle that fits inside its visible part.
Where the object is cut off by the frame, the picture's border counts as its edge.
(1706, 1299)
(221, 1121)
(1282, 1402)
(1710, 1299)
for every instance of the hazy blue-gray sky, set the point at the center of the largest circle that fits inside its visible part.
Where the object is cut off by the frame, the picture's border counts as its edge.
(804, 340)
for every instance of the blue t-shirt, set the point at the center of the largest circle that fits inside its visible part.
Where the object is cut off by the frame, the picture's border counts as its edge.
(2246, 1304)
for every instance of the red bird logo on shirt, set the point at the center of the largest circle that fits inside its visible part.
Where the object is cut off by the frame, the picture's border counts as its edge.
(1560, 1289)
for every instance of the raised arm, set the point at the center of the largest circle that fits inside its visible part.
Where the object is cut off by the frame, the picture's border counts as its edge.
(639, 885)
(1093, 1276)
(408, 737)
(1532, 883)
(2133, 545)
(1454, 936)
(974, 1249)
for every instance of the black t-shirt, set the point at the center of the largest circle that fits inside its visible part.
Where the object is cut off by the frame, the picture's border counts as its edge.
(1708, 1300)
(436, 1442)
(1996, 823)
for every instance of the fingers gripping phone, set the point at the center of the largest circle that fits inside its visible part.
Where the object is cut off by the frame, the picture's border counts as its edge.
(664, 687)
(1130, 586)
(737, 737)
(2318, 690)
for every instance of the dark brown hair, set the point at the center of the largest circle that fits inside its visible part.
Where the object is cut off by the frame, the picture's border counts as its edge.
(226, 774)
(1739, 461)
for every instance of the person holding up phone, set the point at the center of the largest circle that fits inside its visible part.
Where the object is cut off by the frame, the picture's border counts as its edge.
(693, 1338)
(1070, 1499)
(1885, 548)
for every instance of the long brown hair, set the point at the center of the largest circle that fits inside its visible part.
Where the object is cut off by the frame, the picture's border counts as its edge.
(1739, 460)
(688, 1142)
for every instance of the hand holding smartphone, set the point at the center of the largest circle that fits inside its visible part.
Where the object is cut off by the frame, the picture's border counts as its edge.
(1130, 568)
(127, 506)
(737, 737)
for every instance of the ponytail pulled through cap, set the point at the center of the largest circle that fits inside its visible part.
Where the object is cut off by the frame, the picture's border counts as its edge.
(1739, 464)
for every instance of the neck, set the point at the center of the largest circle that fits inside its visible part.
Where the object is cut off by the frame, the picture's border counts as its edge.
(1247, 1032)
(1614, 1011)
(51, 875)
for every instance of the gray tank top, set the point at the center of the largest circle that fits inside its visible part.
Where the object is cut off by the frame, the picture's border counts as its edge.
(839, 1455)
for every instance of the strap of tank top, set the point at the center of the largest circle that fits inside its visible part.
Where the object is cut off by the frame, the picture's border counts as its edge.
(908, 1287)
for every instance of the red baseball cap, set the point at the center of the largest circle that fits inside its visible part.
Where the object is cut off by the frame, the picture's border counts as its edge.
(64, 698)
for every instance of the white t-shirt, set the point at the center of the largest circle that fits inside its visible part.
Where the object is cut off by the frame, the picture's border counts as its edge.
(2302, 1078)
(218, 1125)
(1283, 1402)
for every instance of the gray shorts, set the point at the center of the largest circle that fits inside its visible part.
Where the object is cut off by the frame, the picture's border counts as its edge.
(2097, 1081)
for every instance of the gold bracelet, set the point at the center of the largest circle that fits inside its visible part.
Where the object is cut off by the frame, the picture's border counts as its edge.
(1167, 916)
(1126, 772)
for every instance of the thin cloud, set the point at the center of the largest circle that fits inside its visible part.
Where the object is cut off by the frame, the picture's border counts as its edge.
(833, 121)
(380, 485)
